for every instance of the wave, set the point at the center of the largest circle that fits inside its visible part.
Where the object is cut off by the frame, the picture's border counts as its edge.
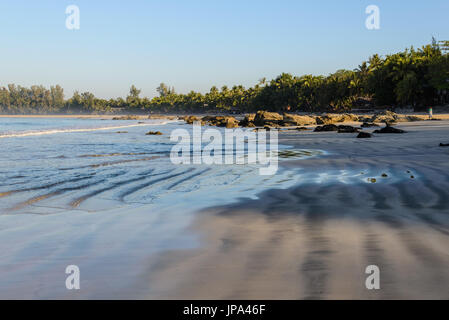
(53, 131)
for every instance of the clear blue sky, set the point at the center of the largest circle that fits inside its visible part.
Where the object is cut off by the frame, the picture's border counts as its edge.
(194, 44)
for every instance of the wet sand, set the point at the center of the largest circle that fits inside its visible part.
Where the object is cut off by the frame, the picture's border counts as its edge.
(314, 240)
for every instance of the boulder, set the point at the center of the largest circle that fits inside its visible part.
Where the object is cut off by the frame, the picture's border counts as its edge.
(347, 129)
(368, 125)
(248, 121)
(363, 135)
(326, 127)
(389, 129)
(444, 144)
(154, 133)
(220, 121)
(297, 120)
(266, 118)
(335, 118)
(390, 117)
(191, 119)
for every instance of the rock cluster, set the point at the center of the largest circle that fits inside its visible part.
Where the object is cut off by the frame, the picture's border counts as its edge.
(128, 117)
(154, 133)
(277, 120)
(389, 129)
(391, 117)
(339, 129)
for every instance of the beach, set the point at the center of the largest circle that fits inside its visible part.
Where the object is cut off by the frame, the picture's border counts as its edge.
(315, 240)
(140, 227)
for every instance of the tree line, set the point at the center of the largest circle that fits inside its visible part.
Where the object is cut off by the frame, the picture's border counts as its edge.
(414, 77)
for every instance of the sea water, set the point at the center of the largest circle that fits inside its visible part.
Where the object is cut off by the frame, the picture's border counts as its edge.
(102, 195)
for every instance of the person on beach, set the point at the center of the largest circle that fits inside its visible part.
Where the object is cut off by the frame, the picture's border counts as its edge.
(430, 113)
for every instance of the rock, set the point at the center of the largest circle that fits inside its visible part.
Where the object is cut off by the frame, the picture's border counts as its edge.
(326, 127)
(444, 144)
(391, 117)
(191, 119)
(384, 175)
(231, 124)
(372, 180)
(266, 118)
(368, 125)
(335, 118)
(302, 129)
(297, 120)
(128, 117)
(363, 135)
(384, 116)
(221, 121)
(347, 129)
(248, 121)
(389, 129)
(122, 131)
(154, 133)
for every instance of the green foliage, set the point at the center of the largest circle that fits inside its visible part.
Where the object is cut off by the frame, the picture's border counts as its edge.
(419, 78)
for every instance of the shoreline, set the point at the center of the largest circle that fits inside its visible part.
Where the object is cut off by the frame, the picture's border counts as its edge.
(421, 115)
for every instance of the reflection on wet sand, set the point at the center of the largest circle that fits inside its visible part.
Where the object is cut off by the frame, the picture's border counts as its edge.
(293, 245)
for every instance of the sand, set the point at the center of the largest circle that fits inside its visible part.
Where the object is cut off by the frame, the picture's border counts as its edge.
(314, 240)
(310, 241)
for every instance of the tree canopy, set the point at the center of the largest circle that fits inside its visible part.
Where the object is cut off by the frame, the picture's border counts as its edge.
(413, 77)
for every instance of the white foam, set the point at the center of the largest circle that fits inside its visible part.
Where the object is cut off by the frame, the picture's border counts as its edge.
(53, 131)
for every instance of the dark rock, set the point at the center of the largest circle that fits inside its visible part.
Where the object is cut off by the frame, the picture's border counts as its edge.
(248, 121)
(326, 127)
(302, 129)
(154, 133)
(444, 144)
(220, 121)
(368, 125)
(347, 129)
(364, 135)
(263, 118)
(389, 129)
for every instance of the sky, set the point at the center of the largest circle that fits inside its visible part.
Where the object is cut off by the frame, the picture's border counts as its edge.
(195, 44)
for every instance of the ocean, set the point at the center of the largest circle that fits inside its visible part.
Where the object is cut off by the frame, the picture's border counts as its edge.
(102, 195)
